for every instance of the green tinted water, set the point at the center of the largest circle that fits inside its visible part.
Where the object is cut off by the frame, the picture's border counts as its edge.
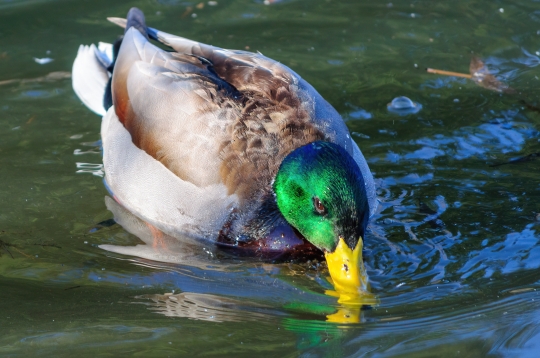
(453, 252)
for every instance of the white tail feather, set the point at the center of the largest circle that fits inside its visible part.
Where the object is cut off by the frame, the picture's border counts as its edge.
(90, 75)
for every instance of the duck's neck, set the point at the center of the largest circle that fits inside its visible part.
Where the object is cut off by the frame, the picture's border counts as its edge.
(255, 223)
(266, 235)
(266, 218)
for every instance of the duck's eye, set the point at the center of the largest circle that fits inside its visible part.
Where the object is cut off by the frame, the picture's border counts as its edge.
(319, 207)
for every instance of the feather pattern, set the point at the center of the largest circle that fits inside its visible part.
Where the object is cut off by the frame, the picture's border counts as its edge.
(196, 136)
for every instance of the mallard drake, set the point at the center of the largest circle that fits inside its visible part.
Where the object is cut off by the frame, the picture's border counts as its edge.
(226, 146)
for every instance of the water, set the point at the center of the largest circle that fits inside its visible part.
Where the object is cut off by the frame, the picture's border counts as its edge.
(453, 252)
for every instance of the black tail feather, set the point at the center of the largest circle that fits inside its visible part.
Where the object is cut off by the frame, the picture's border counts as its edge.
(135, 18)
(107, 97)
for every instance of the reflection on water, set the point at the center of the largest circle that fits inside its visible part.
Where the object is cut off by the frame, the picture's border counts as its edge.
(160, 247)
(206, 307)
(215, 308)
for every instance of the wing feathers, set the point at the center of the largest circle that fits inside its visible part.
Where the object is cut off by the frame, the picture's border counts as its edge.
(170, 109)
(152, 192)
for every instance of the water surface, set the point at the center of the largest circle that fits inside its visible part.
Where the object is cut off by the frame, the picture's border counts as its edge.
(453, 252)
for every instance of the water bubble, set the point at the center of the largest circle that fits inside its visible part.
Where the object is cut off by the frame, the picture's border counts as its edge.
(403, 105)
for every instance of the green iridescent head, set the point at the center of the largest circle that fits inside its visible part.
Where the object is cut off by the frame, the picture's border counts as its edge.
(320, 191)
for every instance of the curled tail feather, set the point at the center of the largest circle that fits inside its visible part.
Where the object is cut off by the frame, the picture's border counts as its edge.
(93, 68)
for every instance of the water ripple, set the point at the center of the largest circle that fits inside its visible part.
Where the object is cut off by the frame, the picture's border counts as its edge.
(519, 250)
(506, 132)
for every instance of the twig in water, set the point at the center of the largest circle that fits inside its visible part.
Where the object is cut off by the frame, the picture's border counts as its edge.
(448, 73)
(479, 74)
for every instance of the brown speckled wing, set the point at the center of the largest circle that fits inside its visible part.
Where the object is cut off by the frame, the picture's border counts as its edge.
(254, 72)
(173, 107)
(212, 115)
(280, 112)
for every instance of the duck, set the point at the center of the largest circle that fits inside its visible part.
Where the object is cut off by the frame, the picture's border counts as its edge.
(228, 147)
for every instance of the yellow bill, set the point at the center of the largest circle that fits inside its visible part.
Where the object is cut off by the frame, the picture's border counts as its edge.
(350, 281)
(347, 269)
